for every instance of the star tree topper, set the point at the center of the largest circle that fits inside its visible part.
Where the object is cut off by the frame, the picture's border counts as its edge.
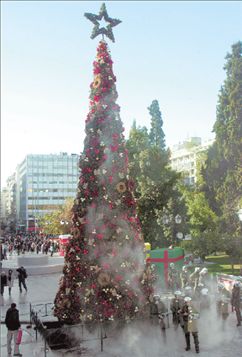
(102, 31)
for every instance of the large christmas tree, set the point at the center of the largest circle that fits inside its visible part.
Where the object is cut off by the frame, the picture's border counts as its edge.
(104, 263)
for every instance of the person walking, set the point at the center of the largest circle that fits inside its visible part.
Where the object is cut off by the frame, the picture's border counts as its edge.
(235, 301)
(175, 307)
(22, 275)
(3, 281)
(189, 320)
(194, 278)
(10, 280)
(13, 324)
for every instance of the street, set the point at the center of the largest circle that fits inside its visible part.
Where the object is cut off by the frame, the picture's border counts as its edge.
(141, 340)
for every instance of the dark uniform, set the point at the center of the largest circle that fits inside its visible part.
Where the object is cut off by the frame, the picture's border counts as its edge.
(176, 306)
(158, 312)
(222, 303)
(235, 302)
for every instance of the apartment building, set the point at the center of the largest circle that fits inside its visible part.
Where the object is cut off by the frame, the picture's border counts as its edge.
(185, 155)
(8, 201)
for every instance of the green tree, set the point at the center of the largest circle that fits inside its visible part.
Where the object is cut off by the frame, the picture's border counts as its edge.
(206, 238)
(223, 169)
(157, 136)
(154, 180)
(58, 221)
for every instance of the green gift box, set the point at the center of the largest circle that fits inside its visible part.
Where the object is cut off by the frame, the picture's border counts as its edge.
(162, 258)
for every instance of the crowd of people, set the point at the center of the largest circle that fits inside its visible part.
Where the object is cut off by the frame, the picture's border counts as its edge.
(188, 303)
(28, 243)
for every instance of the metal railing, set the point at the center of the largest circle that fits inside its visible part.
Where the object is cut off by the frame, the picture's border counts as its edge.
(100, 330)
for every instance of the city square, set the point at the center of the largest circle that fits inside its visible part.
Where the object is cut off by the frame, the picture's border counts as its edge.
(121, 232)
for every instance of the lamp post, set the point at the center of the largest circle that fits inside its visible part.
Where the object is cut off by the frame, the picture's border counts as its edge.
(64, 223)
(170, 219)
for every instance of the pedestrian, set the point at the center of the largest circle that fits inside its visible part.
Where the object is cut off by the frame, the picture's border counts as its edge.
(4, 247)
(176, 306)
(235, 301)
(22, 275)
(13, 324)
(203, 277)
(184, 276)
(3, 281)
(10, 280)
(194, 278)
(189, 320)
(51, 249)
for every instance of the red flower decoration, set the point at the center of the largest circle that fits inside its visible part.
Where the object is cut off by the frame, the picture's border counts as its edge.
(114, 148)
(96, 98)
(115, 136)
(106, 266)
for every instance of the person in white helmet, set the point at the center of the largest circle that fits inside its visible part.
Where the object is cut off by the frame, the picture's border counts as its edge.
(222, 302)
(204, 298)
(173, 277)
(188, 291)
(189, 317)
(158, 311)
(235, 301)
(203, 276)
(184, 276)
(176, 306)
(194, 278)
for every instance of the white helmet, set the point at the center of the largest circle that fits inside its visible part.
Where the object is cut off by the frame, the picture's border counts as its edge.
(177, 293)
(204, 271)
(172, 265)
(204, 291)
(187, 299)
(184, 268)
(196, 269)
(220, 285)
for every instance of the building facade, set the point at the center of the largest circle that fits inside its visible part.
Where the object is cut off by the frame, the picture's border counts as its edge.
(8, 203)
(184, 157)
(44, 182)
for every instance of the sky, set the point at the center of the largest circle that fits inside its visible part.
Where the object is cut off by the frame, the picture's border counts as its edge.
(170, 51)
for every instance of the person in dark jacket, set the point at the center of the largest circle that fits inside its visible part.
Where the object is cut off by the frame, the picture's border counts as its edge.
(235, 301)
(13, 324)
(3, 281)
(10, 280)
(22, 275)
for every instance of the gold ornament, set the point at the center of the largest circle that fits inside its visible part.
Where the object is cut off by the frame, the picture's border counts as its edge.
(76, 232)
(97, 81)
(121, 187)
(103, 279)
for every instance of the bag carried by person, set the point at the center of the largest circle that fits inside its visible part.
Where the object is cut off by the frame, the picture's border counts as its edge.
(19, 337)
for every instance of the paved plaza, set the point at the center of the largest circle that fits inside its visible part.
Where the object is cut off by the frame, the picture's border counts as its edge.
(141, 340)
